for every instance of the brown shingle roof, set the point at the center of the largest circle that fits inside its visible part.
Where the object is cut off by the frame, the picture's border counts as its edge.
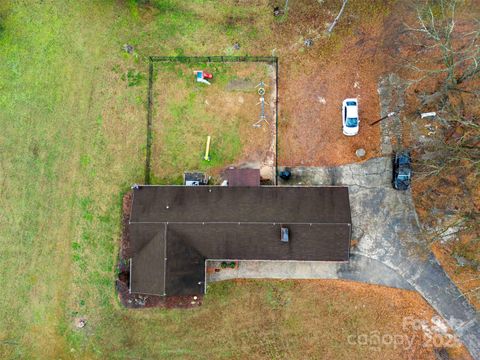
(174, 229)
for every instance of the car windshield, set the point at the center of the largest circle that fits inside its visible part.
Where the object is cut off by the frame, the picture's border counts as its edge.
(403, 160)
(403, 177)
(351, 122)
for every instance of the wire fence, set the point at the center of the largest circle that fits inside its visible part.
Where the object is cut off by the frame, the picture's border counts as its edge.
(190, 59)
(200, 59)
(149, 124)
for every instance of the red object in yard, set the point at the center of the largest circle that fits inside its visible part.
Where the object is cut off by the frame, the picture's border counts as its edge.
(207, 75)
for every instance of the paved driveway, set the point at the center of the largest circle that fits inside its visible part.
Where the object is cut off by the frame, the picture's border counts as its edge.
(387, 230)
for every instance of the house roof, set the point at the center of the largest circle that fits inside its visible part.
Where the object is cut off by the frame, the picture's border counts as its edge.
(174, 229)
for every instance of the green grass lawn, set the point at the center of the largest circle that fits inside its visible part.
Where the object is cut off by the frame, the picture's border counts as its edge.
(72, 140)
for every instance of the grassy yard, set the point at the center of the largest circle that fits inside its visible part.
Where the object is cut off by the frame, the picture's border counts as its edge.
(186, 112)
(73, 120)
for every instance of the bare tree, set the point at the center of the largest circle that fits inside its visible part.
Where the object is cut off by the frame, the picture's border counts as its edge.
(451, 57)
(445, 77)
(453, 51)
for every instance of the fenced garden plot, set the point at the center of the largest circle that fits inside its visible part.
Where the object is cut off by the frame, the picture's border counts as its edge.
(183, 113)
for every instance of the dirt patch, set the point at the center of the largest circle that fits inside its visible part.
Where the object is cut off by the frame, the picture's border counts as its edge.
(240, 85)
(348, 64)
(311, 123)
(139, 301)
(125, 249)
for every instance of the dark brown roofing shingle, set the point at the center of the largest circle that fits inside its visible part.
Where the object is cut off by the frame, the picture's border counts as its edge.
(241, 204)
(148, 263)
(198, 223)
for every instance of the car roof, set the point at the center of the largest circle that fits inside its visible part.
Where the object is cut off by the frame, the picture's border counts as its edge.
(403, 156)
(352, 111)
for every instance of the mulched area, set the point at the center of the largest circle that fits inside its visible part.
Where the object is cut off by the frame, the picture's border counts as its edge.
(138, 301)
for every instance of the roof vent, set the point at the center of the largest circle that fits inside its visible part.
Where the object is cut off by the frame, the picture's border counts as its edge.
(284, 237)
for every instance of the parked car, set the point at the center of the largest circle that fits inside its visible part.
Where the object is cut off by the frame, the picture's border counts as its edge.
(402, 170)
(350, 118)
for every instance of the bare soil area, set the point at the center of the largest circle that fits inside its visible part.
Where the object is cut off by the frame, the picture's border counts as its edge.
(311, 125)
(314, 81)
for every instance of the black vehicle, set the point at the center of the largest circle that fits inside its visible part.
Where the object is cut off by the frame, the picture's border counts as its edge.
(402, 170)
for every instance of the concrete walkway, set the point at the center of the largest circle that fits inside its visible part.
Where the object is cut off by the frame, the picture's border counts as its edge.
(359, 268)
(387, 230)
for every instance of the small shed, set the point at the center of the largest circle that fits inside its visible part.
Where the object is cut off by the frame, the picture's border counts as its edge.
(243, 177)
(194, 178)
